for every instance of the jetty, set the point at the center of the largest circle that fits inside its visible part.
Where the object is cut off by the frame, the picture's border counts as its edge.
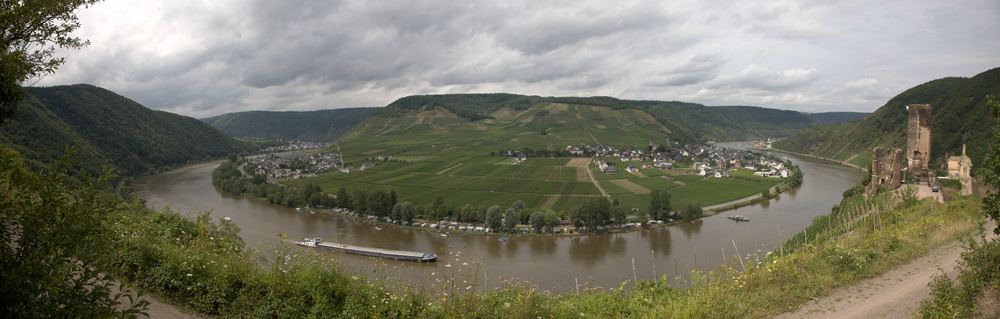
(369, 251)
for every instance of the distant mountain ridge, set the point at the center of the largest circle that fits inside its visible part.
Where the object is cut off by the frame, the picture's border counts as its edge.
(481, 124)
(688, 122)
(959, 115)
(108, 130)
(318, 126)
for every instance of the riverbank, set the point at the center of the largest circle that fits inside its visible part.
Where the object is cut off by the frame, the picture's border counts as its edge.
(384, 211)
(821, 158)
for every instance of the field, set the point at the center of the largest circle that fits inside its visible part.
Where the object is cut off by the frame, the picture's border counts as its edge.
(436, 152)
(549, 183)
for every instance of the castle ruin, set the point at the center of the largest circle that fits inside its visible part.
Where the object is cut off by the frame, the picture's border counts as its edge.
(918, 138)
(887, 169)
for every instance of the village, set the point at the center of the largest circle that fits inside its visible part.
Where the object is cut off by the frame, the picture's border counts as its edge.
(292, 160)
(707, 160)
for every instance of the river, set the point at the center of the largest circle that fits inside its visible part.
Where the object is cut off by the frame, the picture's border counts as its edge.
(551, 263)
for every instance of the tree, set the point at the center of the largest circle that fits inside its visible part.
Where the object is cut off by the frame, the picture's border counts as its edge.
(31, 32)
(990, 173)
(692, 212)
(494, 218)
(617, 214)
(403, 212)
(654, 204)
(343, 200)
(551, 220)
(518, 205)
(594, 212)
(659, 204)
(537, 220)
(393, 200)
(361, 201)
(510, 219)
(437, 205)
(51, 243)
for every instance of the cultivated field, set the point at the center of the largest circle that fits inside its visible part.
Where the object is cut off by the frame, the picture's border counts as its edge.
(436, 152)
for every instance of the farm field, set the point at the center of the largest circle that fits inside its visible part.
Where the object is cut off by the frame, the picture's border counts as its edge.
(545, 183)
(433, 151)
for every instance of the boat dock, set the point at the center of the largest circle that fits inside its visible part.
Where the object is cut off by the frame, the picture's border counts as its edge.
(369, 251)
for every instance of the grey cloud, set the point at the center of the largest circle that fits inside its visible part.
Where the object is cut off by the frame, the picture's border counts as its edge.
(761, 78)
(696, 69)
(201, 58)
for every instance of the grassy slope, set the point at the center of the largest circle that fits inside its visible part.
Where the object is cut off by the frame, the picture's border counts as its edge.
(322, 125)
(959, 114)
(449, 155)
(836, 117)
(108, 130)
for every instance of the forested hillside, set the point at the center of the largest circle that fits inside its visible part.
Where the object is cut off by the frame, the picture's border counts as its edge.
(318, 126)
(959, 115)
(108, 130)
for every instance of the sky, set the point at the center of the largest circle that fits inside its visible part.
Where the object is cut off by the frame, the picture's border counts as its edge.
(208, 57)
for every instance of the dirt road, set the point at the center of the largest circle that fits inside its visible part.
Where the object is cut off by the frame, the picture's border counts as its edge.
(895, 294)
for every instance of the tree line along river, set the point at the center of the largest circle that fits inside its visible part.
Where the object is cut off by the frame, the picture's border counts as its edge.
(549, 262)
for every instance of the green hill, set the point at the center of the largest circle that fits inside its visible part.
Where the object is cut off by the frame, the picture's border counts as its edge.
(836, 117)
(573, 119)
(453, 146)
(322, 125)
(959, 115)
(108, 130)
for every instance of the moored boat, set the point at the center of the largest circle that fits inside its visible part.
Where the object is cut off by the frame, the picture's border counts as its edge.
(739, 218)
(369, 251)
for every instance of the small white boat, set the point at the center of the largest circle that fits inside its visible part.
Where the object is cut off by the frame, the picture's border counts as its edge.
(444, 235)
(308, 242)
(227, 218)
(739, 218)
(378, 228)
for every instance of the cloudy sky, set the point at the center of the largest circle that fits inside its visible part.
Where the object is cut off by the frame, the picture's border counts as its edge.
(203, 58)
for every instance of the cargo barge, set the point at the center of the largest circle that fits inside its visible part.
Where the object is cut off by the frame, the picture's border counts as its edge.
(368, 251)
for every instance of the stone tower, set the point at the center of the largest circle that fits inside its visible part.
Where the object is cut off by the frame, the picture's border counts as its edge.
(918, 138)
(887, 169)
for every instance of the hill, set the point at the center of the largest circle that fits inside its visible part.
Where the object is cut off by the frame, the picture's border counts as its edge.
(679, 121)
(317, 126)
(959, 115)
(836, 117)
(457, 146)
(108, 130)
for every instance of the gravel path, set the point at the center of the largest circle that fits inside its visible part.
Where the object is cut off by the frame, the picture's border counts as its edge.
(895, 294)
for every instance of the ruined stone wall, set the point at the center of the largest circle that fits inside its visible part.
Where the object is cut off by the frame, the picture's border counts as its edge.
(887, 168)
(918, 138)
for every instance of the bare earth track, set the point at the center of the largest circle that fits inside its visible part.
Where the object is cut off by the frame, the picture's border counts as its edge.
(894, 294)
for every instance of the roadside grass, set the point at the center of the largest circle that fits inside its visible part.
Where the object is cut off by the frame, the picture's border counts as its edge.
(854, 245)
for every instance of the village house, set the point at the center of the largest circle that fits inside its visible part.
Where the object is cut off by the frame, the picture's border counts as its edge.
(960, 168)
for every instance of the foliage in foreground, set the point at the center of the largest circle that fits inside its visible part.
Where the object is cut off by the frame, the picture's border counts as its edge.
(975, 293)
(203, 265)
(50, 236)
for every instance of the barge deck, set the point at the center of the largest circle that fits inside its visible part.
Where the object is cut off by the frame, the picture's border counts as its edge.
(369, 251)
